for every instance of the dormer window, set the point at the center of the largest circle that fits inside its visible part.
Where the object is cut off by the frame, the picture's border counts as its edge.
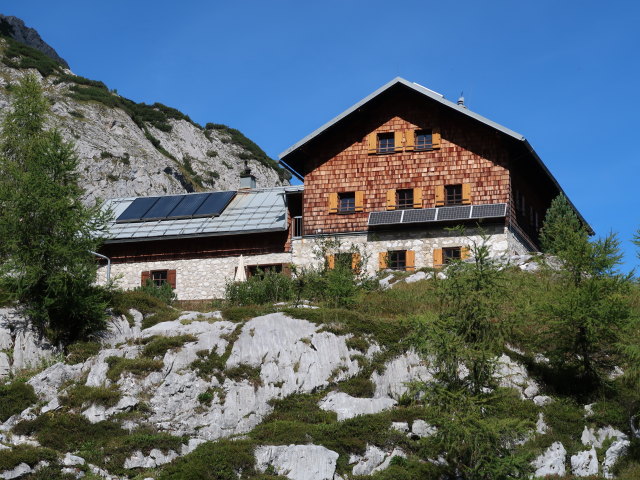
(386, 142)
(423, 140)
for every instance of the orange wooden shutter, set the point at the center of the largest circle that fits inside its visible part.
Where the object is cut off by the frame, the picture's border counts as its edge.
(409, 140)
(333, 202)
(465, 252)
(382, 260)
(435, 138)
(410, 261)
(331, 261)
(355, 262)
(417, 198)
(391, 199)
(439, 195)
(466, 193)
(171, 278)
(372, 143)
(397, 140)
(144, 277)
(359, 201)
(437, 258)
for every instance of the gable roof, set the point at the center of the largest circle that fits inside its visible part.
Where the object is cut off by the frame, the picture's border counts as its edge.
(443, 101)
(250, 211)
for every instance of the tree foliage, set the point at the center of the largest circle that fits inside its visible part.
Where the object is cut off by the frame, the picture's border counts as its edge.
(587, 311)
(47, 233)
(461, 344)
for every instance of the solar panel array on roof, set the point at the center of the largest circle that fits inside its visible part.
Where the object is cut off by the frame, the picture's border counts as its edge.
(176, 206)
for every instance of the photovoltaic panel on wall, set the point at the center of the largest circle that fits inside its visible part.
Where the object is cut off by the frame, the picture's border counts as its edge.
(419, 215)
(488, 211)
(385, 218)
(162, 208)
(137, 209)
(214, 204)
(454, 213)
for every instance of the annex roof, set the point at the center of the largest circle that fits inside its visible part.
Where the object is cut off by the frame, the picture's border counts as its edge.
(250, 211)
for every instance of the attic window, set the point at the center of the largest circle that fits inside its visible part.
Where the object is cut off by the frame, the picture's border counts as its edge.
(386, 142)
(424, 140)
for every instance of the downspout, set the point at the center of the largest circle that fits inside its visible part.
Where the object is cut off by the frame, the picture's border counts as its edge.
(108, 263)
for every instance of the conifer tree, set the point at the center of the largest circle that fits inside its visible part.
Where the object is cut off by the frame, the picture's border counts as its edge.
(47, 233)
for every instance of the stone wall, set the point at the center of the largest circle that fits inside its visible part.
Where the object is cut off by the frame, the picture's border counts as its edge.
(196, 279)
(307, 252)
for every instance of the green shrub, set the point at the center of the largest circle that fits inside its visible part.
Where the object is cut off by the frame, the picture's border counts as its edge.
(358, 387)
(208, 363)
(212, 153)
(137, 366)
(221, 460)
(158, 345)
(267, 287)
(244, 372)
(14, 398)
(206, 397)
(163, 292)
(80, 395)
(240, 314)
(25, 454)
(152, 307)
(19, 55)
(80, 352)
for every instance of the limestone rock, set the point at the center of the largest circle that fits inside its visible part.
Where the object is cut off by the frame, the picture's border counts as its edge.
(373, 460)
(398, 373)
(400, 426)
(541, 426)
(511, 374)
(298, 462)
(416, 277)
(70, 460)
(585, 463)
(612, 455)
(541, 400)
(347, 406)
(19, 471)
(5, 366)
(596, 439)
(422, 429)
(154, 459)
(551, 462)
(29, 351)
(119, 330)
(47, 383)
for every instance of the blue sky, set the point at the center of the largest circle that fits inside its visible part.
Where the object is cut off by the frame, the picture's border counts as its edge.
(565, 74)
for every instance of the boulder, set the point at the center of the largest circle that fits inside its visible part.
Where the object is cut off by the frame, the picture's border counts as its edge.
(5, 366)
(19, 471)
(406, 368)
(422, 429)
(612, 455)
(47, 383)
(154, 459)
(511, 374)
(373, 460)
(347, 406)
(298, 462)
(585, 463)
(551, 462)
(70, 460)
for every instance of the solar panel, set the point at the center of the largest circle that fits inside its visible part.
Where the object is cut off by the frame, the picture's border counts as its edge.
(487, 211)
(454, 213)
(421, 215)
(137, 209)
(214, 204)
(385, 218)
(162, 208)
(188, 205)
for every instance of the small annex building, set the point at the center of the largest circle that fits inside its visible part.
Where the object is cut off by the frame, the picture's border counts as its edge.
(388, 178)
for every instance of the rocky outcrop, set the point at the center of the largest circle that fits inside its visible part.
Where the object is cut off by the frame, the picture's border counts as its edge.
(15, 28)
(121, 154)
(298, 462)
(398, 373)
(347, 406)
(551, 462)
(585, 463)
(373, 460)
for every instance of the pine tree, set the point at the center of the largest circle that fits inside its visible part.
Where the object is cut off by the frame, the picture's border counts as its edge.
(561, 228)
(47, 233)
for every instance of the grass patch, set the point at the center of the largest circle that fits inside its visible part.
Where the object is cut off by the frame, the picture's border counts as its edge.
(152, 308)
(19, 55)
(245, 372)
(358, 386)
(25, 454)
(104, 443)
(221, 460)
(158, 345)
(80, 352)
(241, 314)
(79, 395)
(14, 398)
(136, 366)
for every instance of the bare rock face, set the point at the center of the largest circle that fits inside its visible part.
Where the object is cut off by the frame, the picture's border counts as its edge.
(551, 462)
(122, 157)
(347, 406)
(374, 460)
(298, 462)
(585, 463)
